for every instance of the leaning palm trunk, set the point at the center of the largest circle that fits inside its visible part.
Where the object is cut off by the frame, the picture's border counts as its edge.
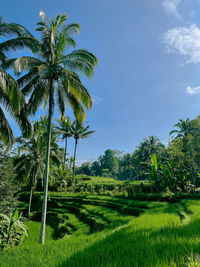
(65, 154)
(76, 142)
(46, 175)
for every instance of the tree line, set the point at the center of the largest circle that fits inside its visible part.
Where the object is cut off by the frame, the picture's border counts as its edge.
(178, 163)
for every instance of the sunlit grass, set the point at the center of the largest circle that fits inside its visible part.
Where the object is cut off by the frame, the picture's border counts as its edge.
(165, 234)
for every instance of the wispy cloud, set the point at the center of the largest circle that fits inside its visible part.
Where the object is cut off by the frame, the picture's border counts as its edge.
(193, 91)
(96, 99)
(171, 7)
(184, 41)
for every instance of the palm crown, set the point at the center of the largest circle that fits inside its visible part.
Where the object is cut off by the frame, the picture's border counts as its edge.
(80, 130)
(184, 127)
(53, 71)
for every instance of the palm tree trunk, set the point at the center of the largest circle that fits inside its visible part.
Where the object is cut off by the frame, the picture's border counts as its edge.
(65, 154)
(46, 175)
(30, 201)
(76, 142)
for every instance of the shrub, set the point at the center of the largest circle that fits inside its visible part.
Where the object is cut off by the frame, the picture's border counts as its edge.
(12, 229)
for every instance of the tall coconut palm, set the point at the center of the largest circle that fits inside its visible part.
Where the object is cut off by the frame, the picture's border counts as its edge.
(64, 129)
(79, 130)
(10, 96)
(53, 74)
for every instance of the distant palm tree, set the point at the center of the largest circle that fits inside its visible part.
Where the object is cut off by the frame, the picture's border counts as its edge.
(10, 96)
(79, 130)
(148, 147)
(64, 129)
(52, 73)
(185, 127)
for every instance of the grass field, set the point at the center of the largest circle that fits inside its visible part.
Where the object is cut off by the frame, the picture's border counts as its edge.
(95, 231)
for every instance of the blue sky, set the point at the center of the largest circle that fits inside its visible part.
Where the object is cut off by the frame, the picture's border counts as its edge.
(148, 74)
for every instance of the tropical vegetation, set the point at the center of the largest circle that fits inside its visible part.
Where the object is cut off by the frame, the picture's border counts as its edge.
(122, 209)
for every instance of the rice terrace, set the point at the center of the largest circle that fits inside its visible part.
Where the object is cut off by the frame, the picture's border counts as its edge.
(100, 133)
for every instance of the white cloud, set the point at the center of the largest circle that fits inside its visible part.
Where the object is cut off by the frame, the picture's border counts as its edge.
(171, 7)
(184, 41)
(96, 99)
(193, 91)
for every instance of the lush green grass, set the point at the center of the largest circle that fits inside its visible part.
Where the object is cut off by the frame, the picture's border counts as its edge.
(105, 180)
(108, 231)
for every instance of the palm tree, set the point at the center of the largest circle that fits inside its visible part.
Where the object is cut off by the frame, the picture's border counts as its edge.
(185, 127)
(187, 131)
(79, 130)
(148, 147)
(53, 73)
(10, 96)
(31, 163)
(64, 129)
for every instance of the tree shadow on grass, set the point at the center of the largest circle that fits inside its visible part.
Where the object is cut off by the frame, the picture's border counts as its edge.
(167, 246)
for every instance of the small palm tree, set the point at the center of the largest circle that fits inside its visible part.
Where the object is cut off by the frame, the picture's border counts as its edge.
(53, 73)
(79, 130)
(64, 129)
(31, 163)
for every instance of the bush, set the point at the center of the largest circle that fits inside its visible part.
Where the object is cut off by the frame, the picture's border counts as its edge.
(12, 229)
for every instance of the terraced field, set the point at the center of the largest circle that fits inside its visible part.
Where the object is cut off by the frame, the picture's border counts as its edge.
(87, 214)
(86, 230)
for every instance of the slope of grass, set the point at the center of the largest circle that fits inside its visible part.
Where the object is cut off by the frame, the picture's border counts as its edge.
(159, 234)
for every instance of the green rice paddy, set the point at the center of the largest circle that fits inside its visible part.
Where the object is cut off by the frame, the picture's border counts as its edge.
(86, 230)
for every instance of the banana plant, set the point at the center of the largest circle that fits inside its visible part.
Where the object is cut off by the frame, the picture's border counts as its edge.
(12, 229)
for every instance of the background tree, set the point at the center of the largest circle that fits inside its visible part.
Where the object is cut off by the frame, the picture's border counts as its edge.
(148, 147)
(64, 129)
(79, 131)
(85, 168)
(185, 127)
(110, 162)
(126, 167)
(8, 184)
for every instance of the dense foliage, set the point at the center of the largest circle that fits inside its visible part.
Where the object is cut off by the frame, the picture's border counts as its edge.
(177, 164)
(12, 229)
(8, 185)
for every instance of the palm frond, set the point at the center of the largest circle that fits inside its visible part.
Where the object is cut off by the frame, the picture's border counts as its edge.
(37, 97)
(61, 101)
(25, 63)
(10, 88)
(76, 88)
(76, 106)
(20, 43)
(6, 133)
